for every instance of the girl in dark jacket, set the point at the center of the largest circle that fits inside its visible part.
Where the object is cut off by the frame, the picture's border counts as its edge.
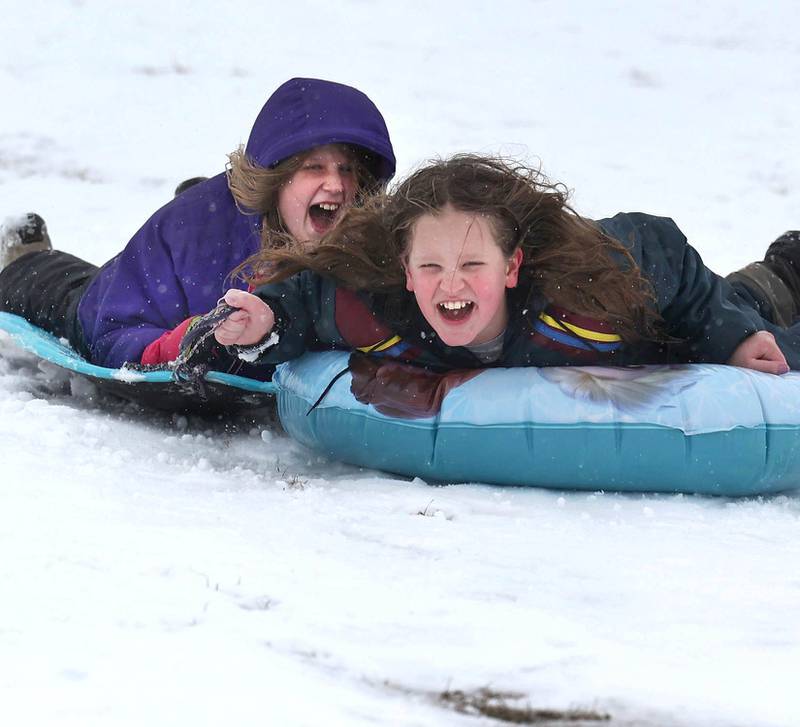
(474, 262)
(316, 148)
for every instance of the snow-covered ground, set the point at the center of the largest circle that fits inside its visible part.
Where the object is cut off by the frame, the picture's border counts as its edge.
(169, 571)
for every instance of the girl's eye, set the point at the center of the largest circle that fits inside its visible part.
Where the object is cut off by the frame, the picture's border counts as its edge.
(430, 266)
(346, 168)
(473, 264)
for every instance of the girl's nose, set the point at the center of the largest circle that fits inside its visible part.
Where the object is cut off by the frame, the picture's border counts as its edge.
(333, 181)
(452, 281)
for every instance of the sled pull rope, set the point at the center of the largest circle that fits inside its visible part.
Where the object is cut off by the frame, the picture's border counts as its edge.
(366, 349)
(327, 389)
(190, 375)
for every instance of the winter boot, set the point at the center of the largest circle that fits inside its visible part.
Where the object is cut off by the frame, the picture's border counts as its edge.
(22, 235)
(783, 257)
(186, 183)
(776, 280)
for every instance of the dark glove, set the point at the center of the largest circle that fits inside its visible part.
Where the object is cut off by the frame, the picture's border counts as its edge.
(199, 351)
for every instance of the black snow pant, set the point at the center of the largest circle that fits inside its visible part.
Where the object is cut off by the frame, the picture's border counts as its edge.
(45, 288)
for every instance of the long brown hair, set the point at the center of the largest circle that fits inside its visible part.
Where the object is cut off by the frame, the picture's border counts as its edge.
(567, 259)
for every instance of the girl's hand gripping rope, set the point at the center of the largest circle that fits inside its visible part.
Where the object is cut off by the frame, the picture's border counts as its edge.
(249, 324)
(239, 321)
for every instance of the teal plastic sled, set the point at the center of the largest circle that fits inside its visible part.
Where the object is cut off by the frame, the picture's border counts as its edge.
(222, 392)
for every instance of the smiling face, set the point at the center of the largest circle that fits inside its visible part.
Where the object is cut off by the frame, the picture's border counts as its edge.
(459, 275)
(314, 198)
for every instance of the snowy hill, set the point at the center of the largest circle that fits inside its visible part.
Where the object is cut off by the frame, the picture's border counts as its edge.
(176, 571)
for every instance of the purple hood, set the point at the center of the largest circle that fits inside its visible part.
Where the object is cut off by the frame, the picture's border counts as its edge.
(178, 264)
(306, 112)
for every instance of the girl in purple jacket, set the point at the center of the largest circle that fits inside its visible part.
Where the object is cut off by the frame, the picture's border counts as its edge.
(315, 149)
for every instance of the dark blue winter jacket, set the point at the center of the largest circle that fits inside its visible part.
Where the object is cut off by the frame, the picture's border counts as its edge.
(177, 265)
(702, 312)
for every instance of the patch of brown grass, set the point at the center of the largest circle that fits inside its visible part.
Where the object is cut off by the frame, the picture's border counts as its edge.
(507, 707)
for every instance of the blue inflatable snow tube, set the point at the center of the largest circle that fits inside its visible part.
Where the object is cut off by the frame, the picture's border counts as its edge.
(706, 429)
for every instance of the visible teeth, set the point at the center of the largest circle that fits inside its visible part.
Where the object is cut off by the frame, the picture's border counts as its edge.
(329, 206)
(454, 304)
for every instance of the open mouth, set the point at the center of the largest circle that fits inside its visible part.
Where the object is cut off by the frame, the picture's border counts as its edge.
(323, 216)
(455, 310)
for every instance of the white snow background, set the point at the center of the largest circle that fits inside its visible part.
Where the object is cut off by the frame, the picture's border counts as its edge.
(160, 570)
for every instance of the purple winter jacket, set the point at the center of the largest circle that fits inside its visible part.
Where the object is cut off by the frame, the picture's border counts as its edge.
(177, 265)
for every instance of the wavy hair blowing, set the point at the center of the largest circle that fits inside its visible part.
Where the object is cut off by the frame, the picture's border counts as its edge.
(566, 258)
